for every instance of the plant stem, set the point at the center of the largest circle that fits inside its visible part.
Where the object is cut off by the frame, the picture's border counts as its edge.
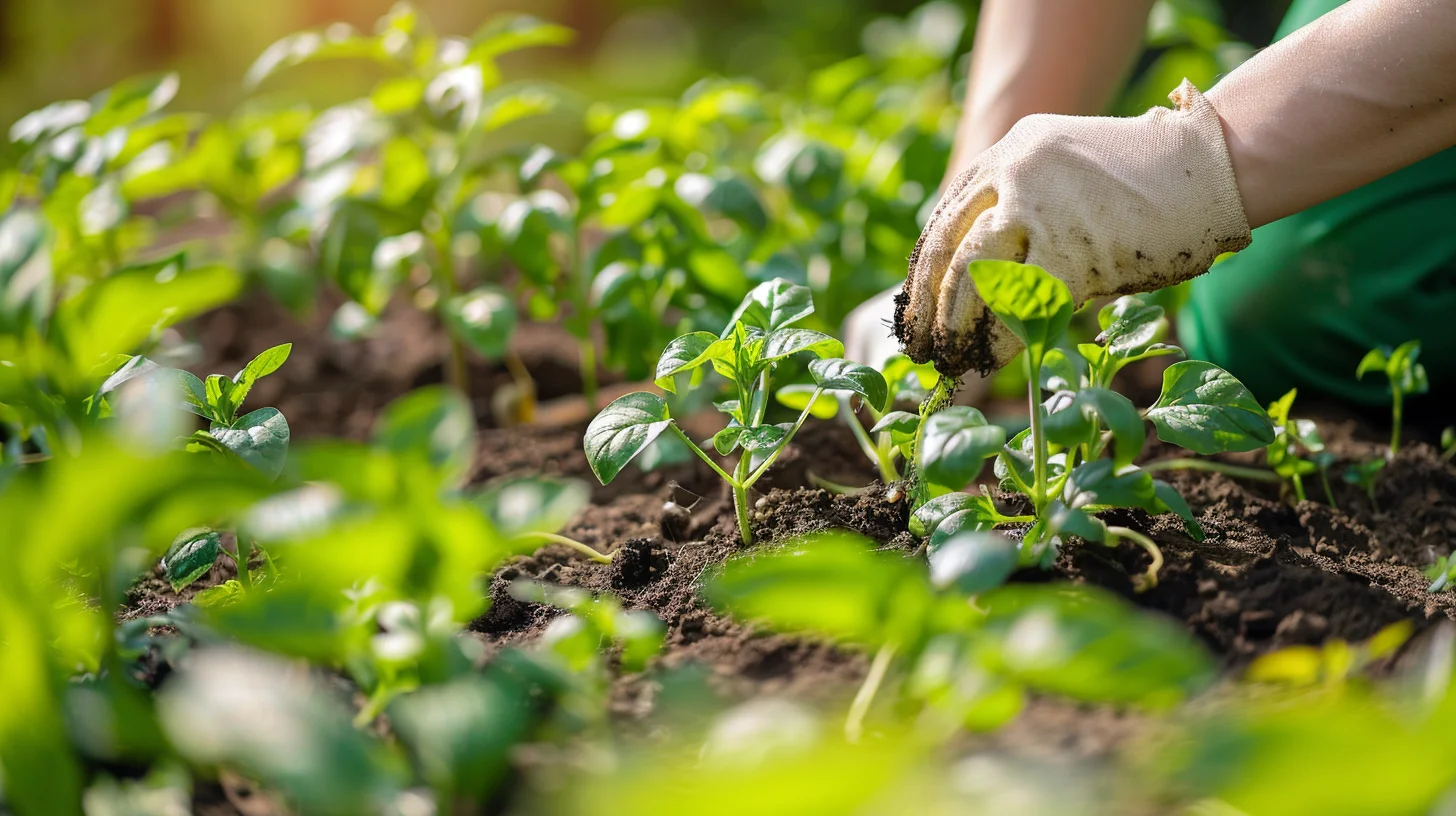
(767, 463)
(1298, 483)
(939, 397)
(705, 457)
(588, 370)
(1395, 413)
(834, 487)
(871, 450)
(525, 383)
(1237, 472)
(854, 723)
(1038, 434)
(1149, 579)
(553, 538)
(1329, 494)
(457, 373)
(740, 498)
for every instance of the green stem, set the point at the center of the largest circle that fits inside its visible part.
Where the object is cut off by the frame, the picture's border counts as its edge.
(1395, 414)
(588, 371)
(1325, 482)
(767, 463)
(1298, 482)
(879, 667)
(834, 487)
(553, 538)
(740, 498)
(241, 562)
(1237, 472)
(1149, 579)
(693, 446)
(939, 397)
(457, 373)
(1038, 434)
(878, 454)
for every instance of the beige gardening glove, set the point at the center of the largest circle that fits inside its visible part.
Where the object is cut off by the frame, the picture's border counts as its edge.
(1109, 205)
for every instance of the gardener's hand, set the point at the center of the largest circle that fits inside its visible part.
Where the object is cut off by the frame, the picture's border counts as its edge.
(1109, 205)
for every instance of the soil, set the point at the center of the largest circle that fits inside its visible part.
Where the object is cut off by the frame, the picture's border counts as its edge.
(1270, 572)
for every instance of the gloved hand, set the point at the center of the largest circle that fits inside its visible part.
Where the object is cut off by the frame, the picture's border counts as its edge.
(1109, 205)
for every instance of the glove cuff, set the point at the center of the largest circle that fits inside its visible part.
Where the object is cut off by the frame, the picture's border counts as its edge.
(1226, 215)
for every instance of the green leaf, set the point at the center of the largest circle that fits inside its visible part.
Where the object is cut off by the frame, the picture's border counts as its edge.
(192, 554)
(797, 396)
(784, 342)
(259, 438)
(771, 306)
(512, 32)
(726, 440)
(1035, 306)
(901, 425)
(1374, 360)
(1086, 644)
(1173, 502)
(764, 437)
(956, 443)
(842, 375)
(1102, 483)
(927, 517)
(1063, 520)
(687, 353)
(261, 366)
(1129, 326)
(194, 393)
(970, 520)
(435, 423)
(1060, 372)
(832, 585)
(622, 430)
(1404, 372)
(484, 319)
(973, 562)
(1207, 410)
(130, 100)
(1093, 408)
(404, 170)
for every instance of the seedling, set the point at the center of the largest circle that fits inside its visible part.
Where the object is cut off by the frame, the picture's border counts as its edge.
(1448, 444)
(1442, 574)
(1336, 662)
(759, 335)
(1291, 437)
(1077, 456)
(1364, 476)
(259, 438)
(1407, 377)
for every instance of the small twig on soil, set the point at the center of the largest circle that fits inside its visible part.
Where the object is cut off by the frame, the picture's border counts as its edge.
(854, 724)
(552, 538)
(1149, 579)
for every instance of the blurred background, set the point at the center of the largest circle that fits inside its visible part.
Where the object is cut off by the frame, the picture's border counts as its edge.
(60, 49)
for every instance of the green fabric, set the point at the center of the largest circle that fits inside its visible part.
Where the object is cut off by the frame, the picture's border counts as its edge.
(1316, 290)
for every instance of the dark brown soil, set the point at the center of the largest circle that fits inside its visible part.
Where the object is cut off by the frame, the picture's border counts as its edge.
(334, 387)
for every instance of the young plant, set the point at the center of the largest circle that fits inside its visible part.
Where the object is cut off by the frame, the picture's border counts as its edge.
(1077, 456)
(1291, 437)
(1407, 377)
(759, 335)
(390, 183)
(1364, 476)
(260, 437)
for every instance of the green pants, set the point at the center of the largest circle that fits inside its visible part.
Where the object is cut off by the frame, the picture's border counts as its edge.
(1316, 290)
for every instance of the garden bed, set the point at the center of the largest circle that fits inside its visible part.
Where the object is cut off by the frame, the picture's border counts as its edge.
(1270, 574)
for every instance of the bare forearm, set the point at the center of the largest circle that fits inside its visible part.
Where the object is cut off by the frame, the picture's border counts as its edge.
(1044, 56)
(1356, 95)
